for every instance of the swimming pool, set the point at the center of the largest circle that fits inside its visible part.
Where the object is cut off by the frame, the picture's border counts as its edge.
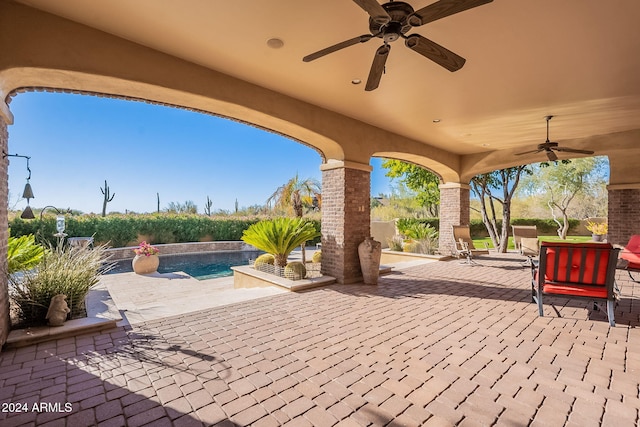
(201, 265)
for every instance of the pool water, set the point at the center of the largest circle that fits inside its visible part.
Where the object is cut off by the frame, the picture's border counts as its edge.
(201, 266)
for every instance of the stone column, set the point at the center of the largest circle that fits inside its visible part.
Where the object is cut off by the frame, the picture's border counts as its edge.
(454, 210)
(624, 212)
(5, 321)
(346, 217)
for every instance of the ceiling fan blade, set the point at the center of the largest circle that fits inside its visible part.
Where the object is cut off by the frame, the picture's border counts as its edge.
(375, 10)
(573, 150)
(528, 152)
(336, 47)
(551, 155)
(377, 68)
(432, 50)
(442, 9)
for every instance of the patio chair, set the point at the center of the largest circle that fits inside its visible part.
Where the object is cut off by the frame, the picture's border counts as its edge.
(631, 254)
(525, 239)
(464, 247)
(576, 270)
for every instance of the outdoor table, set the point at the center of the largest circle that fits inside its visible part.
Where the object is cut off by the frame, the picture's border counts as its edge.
(82, 242)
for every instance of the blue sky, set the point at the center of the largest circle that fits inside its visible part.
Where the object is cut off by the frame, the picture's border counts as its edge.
(76, 142)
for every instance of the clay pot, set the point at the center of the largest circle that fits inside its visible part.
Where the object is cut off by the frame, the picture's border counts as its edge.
(369, 252)
(143, 264)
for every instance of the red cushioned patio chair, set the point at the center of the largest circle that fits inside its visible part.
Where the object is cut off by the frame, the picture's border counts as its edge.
(631, 254)
(576, 270)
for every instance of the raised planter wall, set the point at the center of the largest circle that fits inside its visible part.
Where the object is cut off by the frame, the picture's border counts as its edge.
(390, 257)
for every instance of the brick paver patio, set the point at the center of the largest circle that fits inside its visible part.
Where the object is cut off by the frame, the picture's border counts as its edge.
(439, 344)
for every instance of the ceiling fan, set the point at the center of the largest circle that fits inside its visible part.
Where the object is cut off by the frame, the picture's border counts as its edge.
(551, 147)
(391, 21)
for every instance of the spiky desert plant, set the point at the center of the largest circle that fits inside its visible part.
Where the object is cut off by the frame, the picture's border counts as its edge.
(264, 262)
(64, 270)
(279, 236)
(23, 253)
(106, 197)
(295, 270)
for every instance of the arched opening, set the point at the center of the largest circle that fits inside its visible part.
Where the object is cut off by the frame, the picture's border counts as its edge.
(145, 152)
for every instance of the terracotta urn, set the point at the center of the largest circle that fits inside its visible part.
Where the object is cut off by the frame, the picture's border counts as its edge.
(369, 252)
(145, 264)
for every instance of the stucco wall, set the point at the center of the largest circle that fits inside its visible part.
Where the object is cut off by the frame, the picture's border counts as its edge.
(382, 231)
(5, 322)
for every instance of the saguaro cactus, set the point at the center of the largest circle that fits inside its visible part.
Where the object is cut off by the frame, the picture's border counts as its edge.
(207, 206)
(106, 192)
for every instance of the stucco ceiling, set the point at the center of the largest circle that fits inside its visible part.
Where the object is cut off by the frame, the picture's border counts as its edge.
(578, 60)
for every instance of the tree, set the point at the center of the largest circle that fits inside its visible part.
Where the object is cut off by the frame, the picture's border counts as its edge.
(107, 197)
(505, 180)
(564, 182)
(295, 195)
(187, 207)
(418, 179)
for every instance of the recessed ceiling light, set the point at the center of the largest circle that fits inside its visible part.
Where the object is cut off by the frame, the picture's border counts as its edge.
(275, 43)
(356, 81)
(436, 120)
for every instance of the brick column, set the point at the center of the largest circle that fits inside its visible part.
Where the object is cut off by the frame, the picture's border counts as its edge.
(5, 321)
(624, 216)
(454, 210)
(346, 216)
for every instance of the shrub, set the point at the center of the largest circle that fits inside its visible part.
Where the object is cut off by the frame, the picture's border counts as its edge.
(118, 230)
(395, 243)
(404, 224)
(317, 257)
(23, 253)
(600, 228)
(424, 238)
(64, 270)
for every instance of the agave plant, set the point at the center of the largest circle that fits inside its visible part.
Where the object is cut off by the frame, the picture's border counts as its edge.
(279, 236)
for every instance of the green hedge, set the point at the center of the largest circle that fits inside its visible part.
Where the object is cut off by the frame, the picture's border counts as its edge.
(124, 230)
(478, 229)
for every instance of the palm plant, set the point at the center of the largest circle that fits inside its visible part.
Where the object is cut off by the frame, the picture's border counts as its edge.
(295, 194)
(279, 236)
(23, 253)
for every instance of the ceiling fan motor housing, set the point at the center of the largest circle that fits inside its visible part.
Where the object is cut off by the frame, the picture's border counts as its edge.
(547, 145)
(398, 11)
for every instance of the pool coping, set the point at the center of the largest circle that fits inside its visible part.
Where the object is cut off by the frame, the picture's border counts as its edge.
(124, 253)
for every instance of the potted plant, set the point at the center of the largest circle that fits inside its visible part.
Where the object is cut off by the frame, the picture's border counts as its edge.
(146, 260)
(598, 230)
